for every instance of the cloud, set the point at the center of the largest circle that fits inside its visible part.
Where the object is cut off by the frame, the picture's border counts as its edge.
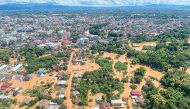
(102, 2)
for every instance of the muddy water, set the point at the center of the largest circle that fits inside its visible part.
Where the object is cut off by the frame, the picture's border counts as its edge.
(89, 66)
(131, 68)
(33, 82)
(93, 98)
(69, 83)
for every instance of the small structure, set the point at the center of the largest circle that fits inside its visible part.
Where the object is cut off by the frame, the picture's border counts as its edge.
(3, 96)
(136, 96)
(66, 42)
(41, 73)
(75, 93)
(3, 68)
(118, 103)
(53, 73)
(17, 68)
(77, 75)
(83, 42)
(2, 78)
(43, 103)
(5, 88)
(99, 99)
(104, 105)
(135, 93)
(53, 106)
(26, 77)
(60, 95)
(27, 101)
(55, 67)
(96, 107)
(61, 82)
(52, 45)
(94, 37)
(59, 76)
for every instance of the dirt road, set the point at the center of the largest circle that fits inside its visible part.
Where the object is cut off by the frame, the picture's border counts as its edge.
(69, 82)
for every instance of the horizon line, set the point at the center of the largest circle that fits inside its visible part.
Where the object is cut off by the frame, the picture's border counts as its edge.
(80, 5)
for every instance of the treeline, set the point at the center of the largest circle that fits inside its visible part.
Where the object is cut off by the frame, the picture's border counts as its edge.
(179, 33)
(35, 64)
(96, 29)
(115, 47)
(5, 54)
(164, 56)
(141, 38)
(32, 51)
(7, 103)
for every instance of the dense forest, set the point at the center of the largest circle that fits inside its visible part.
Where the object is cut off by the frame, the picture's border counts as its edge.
(115, 47)
(5, 54)
(164, 56)
(34, 62)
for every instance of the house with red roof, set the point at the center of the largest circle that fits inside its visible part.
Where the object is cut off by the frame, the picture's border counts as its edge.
(59, 75)
(5, 88)
(136, 93)
(66, 42)
(136, 96)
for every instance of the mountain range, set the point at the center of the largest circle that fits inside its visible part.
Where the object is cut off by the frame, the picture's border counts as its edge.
(101, 2)
(50, 6)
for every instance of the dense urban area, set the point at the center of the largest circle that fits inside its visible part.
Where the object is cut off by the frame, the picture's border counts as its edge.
(95, 60)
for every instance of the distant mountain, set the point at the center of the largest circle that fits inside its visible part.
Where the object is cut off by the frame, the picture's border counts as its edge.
(102, 2)
(52, 6)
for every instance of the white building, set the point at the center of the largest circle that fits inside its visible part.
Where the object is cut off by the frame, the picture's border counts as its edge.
(17, 68)
(3, 68)
(118, 103)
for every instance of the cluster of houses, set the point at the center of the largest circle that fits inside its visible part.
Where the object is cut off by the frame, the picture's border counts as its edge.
(136, 96)
(75, 94)
(15, 69)
(47, 104)
(117, 103)
(8, 72)
(6, 88)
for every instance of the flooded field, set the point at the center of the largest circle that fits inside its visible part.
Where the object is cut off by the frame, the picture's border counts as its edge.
(89, 66)
(131, 68)
(92, 99)
(33, 82)
(139, 46)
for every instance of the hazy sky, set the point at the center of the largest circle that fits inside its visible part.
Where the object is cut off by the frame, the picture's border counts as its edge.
(103, 2)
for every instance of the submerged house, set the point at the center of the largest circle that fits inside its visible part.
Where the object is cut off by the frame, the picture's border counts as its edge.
(27, 101)
(5, 88)
(136, 96)
(62, 82)
(41, 73)
(104, 105)
(43, 103)
(3, 96)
